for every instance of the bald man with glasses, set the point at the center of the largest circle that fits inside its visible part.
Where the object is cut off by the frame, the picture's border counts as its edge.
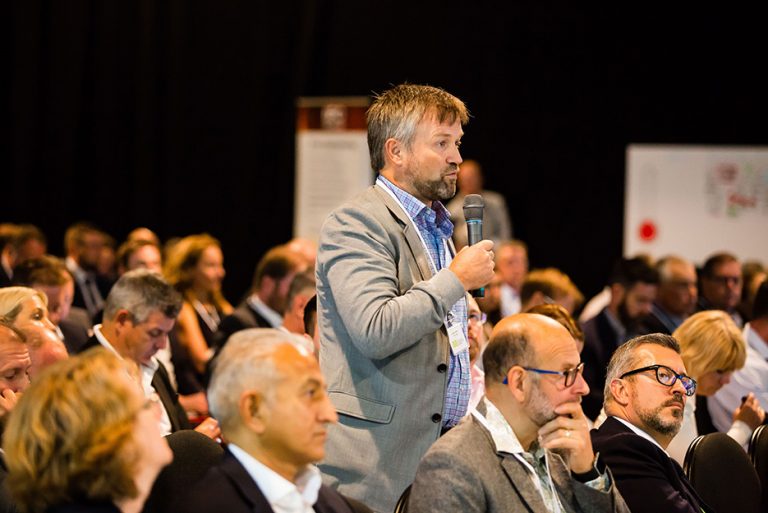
(646, 389)
(526, 447)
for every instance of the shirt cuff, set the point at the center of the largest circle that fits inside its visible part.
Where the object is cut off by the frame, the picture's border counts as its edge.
(741, 432)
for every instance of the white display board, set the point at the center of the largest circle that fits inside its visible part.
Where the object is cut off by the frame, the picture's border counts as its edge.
(695, 200)
(331, 167)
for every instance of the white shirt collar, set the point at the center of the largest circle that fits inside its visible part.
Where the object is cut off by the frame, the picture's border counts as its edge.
(501, 432)
(283, 495)
(755, 341)
(640, 432)
(273, 318)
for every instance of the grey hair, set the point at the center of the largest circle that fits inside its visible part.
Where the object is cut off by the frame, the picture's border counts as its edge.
(142, 292)
(624, 359)
(246, 363)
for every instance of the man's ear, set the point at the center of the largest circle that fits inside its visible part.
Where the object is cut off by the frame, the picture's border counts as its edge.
(516, 383)
(620, 392)
(253, 410)
(394, 151)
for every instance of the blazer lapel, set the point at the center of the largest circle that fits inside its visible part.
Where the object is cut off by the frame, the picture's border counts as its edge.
(520, 480)
(410, 232)
(165, 397)
(244, 484)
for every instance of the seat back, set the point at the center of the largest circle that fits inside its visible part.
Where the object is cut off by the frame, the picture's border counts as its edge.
(193, 455)
(402, 502)
(758, 453)
(722, 474)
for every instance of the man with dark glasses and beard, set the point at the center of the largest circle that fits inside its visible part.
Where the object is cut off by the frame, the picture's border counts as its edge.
(645, 393)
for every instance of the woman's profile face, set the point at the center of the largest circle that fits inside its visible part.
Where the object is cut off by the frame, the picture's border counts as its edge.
(209, 271)
(712, 381)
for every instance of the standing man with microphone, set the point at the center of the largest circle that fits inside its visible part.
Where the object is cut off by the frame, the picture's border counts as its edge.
(391, 299)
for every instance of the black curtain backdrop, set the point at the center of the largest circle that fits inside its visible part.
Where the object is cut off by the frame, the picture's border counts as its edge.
(180, 115)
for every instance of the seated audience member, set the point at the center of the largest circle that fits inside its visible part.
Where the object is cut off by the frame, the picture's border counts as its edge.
(18, 243)
(50, 276)
(139, 313)
(753, 378)
(145, 234)
(676, 297)
(754, 274)
(106, 268)
(550, 286)
(26, 309)
(310, 323)
(84, 439)
(561, 315)
(645, 394)
(476, 339)
(306, 248)
(302, 289)
(633, 290)
(712, 348)
(269, 396)
(721, 284)
(8, 233)
(497, 225)
(195, 267)
(490, 303)
(14, 366)
(265, 305)
(82, 243)
(526, 447)
(138, 254)
(512, 265)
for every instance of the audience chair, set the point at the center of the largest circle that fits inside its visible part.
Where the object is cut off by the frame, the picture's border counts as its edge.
(721, 473)
(402, 502)
(758, 452)
(193, 455)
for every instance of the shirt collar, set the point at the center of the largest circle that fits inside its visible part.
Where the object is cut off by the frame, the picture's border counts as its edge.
(438, 216)
(501, 432)
(273, 318)
(641, 433)
(274, 486)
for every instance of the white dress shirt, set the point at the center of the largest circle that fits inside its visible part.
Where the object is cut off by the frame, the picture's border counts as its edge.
(282, 495)
(273, 318)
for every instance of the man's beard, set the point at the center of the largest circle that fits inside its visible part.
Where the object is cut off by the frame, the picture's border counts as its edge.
(539, 408)
(652, 418)
(441, 189)
(631, 324)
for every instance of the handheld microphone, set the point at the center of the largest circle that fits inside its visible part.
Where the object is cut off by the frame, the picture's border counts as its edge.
(473, 213)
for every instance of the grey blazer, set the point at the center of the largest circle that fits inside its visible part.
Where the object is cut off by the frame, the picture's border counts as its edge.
(384, 349)
(463, 472)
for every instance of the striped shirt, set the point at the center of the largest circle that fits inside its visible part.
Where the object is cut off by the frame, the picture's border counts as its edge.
(434, 225)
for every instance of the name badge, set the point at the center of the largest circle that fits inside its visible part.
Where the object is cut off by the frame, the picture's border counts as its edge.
(457, 338)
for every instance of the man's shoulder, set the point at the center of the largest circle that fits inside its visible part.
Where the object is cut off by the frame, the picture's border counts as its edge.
(468, 441)
(613, 438)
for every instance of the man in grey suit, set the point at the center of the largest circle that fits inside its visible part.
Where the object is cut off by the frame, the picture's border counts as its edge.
(526, 447)
(391, 294)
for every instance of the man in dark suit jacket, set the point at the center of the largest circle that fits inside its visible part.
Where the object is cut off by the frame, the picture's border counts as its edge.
(676, 297)
(265, 306)
(633, 290)
(646, 390)
(139, 313)
(269, 395)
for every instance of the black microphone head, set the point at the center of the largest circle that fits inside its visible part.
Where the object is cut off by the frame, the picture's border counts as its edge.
(473, 207)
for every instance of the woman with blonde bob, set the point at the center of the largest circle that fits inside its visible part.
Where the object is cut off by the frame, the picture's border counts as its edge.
(84, 439)
(195, 267)
(712, 348)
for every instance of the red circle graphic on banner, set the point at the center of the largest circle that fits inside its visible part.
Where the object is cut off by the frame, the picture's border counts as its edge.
(648, 230)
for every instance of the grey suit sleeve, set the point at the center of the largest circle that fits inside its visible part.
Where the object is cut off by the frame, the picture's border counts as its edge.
(444, 482)
(380, 308)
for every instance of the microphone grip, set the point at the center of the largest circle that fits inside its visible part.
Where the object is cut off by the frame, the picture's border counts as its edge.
(475, 235)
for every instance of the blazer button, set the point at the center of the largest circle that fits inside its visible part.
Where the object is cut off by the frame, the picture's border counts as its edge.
(442, 367)
(437, 418)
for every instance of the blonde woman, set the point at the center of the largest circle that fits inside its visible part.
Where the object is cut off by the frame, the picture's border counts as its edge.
(195, 267)
(712, 347)
(84, 439)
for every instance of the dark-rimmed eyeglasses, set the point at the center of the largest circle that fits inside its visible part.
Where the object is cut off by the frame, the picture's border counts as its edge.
(570, 375)
(479, 317)
(667, 377)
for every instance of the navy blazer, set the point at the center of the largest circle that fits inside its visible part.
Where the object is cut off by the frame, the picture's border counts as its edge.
(228, 487)
(648, 479)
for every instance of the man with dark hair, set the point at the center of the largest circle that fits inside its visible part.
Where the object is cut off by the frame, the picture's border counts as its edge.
(266, 304)
(138, 254)
(83, 243)
(526, 447)
(301, 290)
(139, 313)
(645, 393)
(753, 377)
(633, 287)
(676, 297)
(721, 283)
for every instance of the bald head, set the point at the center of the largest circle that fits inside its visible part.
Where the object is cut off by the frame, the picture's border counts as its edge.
(525, 340)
